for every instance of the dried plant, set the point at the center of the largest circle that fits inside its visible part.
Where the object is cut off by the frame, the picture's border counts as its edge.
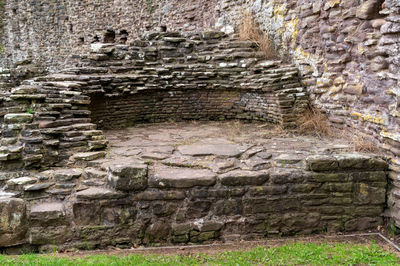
(249, 31)
(315, 123)
(364, 144)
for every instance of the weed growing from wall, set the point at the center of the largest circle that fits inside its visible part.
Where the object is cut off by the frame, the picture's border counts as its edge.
(249, 31)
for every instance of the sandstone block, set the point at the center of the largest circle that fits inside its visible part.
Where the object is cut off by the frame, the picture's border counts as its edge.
(18, 118)
(319, 163)
(13, 222)
(47, 213)
(127, 175)
(98, 193)
(181, 177)
(242, 177)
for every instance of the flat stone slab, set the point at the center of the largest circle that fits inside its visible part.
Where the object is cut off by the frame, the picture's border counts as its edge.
(181, 177)
(88, 156)
(128, 174)
(98, 193)
(67, 174)
(224, 150)
(21, 181)
(46, 212)
(37, 187)
(18, 118)
(242, 177)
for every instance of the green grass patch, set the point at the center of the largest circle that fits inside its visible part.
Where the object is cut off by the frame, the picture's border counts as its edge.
(290, 254)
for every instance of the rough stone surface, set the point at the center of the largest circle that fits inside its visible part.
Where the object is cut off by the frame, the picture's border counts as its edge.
(181, 178)
(258, 185)
(127, 175)
(13, 222)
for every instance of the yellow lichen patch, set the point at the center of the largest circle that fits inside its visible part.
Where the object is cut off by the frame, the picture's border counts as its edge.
(291, 26)
(332, 3)
(279, 10)
(392, 136)
(379, 120)
(361, 50)
(363, 189)
(335, 89)
(304, 56)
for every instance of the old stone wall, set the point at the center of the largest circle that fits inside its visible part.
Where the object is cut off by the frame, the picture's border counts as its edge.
(348, 54)
(47, 34)
(126, 202)
(176, 76)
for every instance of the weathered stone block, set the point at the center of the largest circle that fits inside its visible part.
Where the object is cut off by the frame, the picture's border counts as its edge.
(365, 193)
(181, 177)
(127, 175)
(13, 222)
(48, 213)
(242, 177)
(98, 193)
(319, 163)
(18, 118)
(46, 235)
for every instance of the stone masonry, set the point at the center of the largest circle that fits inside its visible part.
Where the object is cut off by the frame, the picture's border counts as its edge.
(194, 183)
(346, 53)
(162, 76)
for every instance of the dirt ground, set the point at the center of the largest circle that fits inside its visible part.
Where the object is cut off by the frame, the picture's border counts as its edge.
(364, 238)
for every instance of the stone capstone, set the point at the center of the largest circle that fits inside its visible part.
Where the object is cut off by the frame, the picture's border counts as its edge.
(164, 177)
(241, 178)
(127, 175)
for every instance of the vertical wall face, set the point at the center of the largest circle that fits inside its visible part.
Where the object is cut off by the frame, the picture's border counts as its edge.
(49, 32)
(348, 53)
(348, 50)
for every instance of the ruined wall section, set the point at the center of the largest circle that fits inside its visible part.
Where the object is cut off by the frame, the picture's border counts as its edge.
(48, 33)
(348, 53)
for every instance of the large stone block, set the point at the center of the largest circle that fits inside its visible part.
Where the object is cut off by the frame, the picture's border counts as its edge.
(127, 175)
(13, 222)
(181, 177)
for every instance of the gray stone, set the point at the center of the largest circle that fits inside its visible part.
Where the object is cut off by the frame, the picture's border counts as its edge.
(88, 156)
(223, 150)
(241, 178)
(21, 181)
(319, 163)
(164, 177)
(127, 175)
(98, 193)
(18, 118)
(47, 213)
(13, 222)
(368, 9)
(37, 187)
(67, 174)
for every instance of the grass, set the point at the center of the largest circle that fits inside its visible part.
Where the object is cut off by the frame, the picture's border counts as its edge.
(314, 123)
(249, 31)
(289, 254)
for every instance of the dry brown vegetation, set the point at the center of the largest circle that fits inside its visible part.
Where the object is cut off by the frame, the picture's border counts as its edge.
(364, 144)
(314, 123)
(249, 31)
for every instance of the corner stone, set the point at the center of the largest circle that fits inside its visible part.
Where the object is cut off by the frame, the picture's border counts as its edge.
(13, 222)
(127, 175)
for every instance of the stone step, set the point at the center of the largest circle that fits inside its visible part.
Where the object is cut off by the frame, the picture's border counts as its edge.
(47, 213)
(88, 156)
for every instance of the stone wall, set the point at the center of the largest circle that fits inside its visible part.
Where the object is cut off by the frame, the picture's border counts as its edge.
(347, 52)
(127, 203)
(47, 34)
(204, 75)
